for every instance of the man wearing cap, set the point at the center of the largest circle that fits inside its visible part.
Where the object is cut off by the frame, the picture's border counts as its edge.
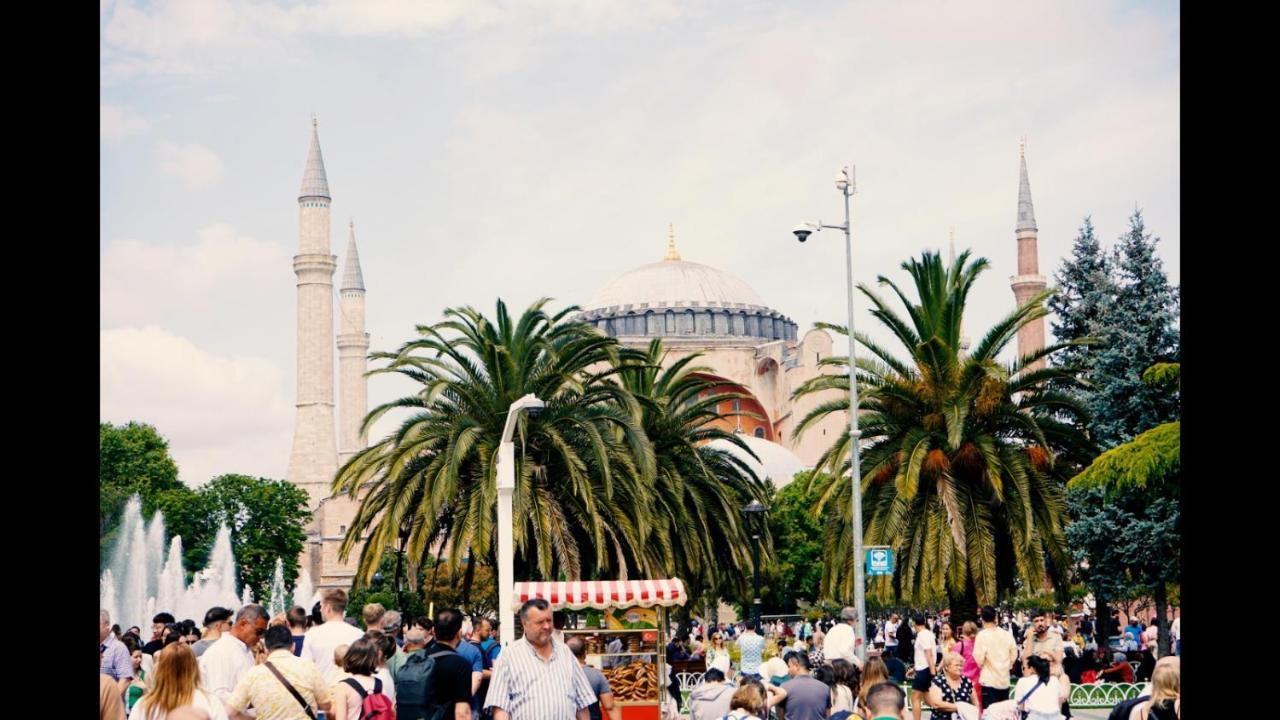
(216, 621)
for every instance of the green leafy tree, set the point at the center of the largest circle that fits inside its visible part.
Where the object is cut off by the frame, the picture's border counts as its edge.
(267, 520)
(1141, 331)
(965, 457)
(133, 459)
(796, 573)
(585, 470)
(698, 490)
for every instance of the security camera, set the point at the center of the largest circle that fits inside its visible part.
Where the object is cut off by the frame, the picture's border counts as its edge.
(804, 230)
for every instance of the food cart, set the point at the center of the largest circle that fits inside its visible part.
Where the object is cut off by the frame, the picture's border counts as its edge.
(624, 623)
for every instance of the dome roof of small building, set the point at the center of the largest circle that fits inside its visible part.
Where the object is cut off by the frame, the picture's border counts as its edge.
(775, 462)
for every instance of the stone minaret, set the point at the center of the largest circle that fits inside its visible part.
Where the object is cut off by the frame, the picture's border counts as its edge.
(1028, 282)
(353, 350)
(314, 459)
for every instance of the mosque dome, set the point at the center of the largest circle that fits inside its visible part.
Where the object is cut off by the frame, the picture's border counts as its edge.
(675, 298)
(775, 462)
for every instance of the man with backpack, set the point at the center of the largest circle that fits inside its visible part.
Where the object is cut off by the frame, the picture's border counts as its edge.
(435, 683)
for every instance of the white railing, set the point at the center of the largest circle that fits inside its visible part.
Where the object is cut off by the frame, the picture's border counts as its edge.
(1084, 696)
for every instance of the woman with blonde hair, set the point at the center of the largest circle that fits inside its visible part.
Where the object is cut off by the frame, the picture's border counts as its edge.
(968, 636)
(717, 654)
(1166, 695)
(174, 683)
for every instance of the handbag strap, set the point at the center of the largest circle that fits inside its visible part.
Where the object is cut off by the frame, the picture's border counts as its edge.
(292, 690)
(1030, 692)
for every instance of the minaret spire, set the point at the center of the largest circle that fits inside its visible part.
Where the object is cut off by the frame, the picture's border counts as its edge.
(353, 351)
(1026, 212)
(1028, 282)
(671, 243)
(352, 277)
(314, 458)
(314, 181)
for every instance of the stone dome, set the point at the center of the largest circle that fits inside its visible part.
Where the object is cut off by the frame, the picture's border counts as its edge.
(677, 299)
(775, 462)
(675, 283)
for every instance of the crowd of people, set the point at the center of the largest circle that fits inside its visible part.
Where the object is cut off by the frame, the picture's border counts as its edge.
(321, 666)
(1006, 665)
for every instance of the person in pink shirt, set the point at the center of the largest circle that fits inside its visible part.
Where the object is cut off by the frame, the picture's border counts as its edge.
(969, 633)
(1151, 639)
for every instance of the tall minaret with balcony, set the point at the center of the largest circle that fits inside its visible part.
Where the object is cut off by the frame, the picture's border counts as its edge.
(313, 462)
(1028, 282)
(353, 351)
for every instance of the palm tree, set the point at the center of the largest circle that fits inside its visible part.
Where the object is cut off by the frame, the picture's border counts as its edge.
(964, 458)
(698, 490)
(584, 470)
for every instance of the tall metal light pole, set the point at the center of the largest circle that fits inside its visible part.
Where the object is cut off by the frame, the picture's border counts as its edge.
(752, 509)
(506, 487)
(846, 185)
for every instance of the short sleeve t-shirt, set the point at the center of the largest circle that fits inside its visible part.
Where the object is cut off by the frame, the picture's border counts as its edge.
(599, 685)
(926, 645)
(807, 698)
(450, 680)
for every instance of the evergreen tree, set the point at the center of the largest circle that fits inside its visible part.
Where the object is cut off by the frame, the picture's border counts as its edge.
(1086, 292)
(1141, 331)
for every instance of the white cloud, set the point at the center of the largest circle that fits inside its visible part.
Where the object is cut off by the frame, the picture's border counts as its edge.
(139, 280)
(220, 414)
(195, 165)
(116, 122)
(187, 37)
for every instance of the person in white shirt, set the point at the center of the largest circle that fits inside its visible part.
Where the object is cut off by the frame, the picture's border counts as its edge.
(320, 641)
(839, 644)
(1039, 693)
(1175, 634)
(891, 635)
(926, 663)
(230, 657)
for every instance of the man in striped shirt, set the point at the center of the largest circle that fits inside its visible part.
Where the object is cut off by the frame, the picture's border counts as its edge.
(536, 678)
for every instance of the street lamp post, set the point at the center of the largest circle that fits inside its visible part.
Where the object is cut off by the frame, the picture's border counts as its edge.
(755, 507)
(846, 185)
(506, 487)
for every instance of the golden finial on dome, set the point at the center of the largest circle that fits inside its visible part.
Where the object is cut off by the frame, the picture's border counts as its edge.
(671, 243)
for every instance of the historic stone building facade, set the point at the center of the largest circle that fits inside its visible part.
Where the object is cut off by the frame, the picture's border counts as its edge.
(748, 346)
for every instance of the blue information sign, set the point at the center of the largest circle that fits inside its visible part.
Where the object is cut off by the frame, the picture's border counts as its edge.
(879, 561)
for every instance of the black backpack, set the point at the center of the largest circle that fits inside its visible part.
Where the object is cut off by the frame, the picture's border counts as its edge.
(414, 686)
(1124, 707)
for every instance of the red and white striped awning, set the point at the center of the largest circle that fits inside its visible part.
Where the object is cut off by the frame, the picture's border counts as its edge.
(602, 594)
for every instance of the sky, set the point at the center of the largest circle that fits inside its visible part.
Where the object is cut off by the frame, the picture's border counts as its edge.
(529, 148)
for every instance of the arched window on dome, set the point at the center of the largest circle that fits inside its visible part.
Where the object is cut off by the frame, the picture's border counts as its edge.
(670, 322)
(653, 324)
(738, 324)
(720, 323)
(610, 329)
(759, 431)
(753, 325)
(702, 323)
(686, 325)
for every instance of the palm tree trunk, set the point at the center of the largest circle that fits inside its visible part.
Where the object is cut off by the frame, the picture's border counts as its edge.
(1161, 593)
(964, 605)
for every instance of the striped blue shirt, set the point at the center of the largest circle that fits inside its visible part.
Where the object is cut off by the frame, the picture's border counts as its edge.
(530, 688)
